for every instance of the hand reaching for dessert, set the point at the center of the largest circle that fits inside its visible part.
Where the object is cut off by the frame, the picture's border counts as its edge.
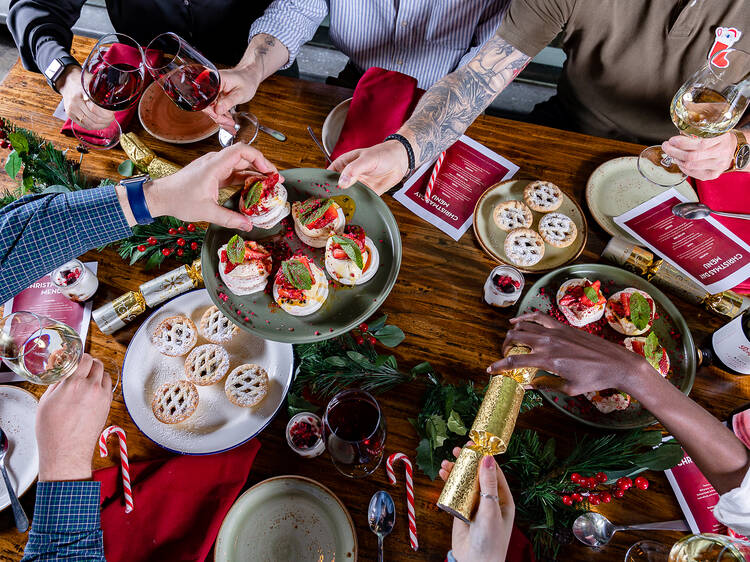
(379, 167)
(488, 535)
(70, 417)
(585, 362)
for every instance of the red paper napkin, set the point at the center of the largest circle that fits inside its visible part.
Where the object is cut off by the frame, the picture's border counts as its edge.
(179, 505)
(124, 54)
(729, 192)
(382, 102)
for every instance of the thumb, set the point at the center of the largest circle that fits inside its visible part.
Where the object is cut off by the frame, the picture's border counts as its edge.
(231, 219)
(488, 476)
(353, 171)
(228, 100)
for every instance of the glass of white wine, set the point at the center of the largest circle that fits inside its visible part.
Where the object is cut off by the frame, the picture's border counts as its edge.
(39, 349)
(710, 547)
(709, 104)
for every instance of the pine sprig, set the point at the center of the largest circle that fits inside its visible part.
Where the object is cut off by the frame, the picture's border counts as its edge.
(138, 246)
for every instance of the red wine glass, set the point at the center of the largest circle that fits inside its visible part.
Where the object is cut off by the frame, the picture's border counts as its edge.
(189, 79)
(354, 433)
(112, 77)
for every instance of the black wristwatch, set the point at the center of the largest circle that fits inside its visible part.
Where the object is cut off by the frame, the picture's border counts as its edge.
(409, 152)
(56, 68)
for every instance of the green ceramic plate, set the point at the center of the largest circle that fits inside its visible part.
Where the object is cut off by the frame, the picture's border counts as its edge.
(669, 320)
(346, 307)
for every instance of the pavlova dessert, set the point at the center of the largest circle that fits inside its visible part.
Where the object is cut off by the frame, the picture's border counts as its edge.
(351, 258)
(263, 199)
(244, 266)
(316, 219)
(630, 312)
(300, 287)
(581, 301)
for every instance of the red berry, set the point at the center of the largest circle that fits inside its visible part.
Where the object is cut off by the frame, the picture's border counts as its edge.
(641, 483)
(601, 477)
(181, 230)
(606, 497)
(372, 340)
(359, 339)
(193, 245)
(591, 482)
(619, 492)
(363, 327)
(3, 134)
(151, 241)
(141, 248)
(576, 497)
(575, 478)
(624, 483)
(594, 499)
(191, 227)
(172, 231)
(567, 500)
(166, 251)
(180, 241)
(4, 144)
(180, 251)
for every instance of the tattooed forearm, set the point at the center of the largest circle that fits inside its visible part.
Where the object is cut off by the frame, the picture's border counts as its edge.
(448, 108)
(264, 55)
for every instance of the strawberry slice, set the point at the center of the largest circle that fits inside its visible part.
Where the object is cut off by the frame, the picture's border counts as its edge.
(338, 253)
(625, 300)
(328, 217)
(289, 292)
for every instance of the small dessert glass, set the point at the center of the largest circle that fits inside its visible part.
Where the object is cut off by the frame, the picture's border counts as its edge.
(506, 294)
(305, 422)
(75, 281)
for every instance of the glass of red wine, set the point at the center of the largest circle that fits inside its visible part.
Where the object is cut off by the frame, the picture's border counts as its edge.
(189, 79)
(354, 433)
(112, 77)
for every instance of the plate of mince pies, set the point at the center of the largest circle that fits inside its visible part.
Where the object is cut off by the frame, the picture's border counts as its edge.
(530, 224)
(194, 383)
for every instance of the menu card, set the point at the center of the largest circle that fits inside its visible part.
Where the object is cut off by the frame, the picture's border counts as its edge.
(44, 298)
(468, 169)
(704, 249)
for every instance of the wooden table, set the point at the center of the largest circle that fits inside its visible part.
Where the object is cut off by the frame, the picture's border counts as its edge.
(443, 317)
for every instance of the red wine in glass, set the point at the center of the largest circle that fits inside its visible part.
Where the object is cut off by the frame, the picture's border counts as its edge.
(114, 86)
(354, 431)
(191, 87)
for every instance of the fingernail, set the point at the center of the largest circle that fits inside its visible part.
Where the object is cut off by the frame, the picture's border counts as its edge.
(488, 461)
(344, 180)
(489, 369)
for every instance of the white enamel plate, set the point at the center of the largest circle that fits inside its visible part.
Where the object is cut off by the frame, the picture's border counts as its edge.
(18, 420)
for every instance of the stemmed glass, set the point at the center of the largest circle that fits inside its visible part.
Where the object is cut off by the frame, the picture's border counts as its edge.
(708, 104)
(189, 79)
(354, 433)
(113, 77)
(39, 349)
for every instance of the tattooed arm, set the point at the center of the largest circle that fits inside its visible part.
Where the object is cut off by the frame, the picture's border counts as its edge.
(443, 114)
(264, 55)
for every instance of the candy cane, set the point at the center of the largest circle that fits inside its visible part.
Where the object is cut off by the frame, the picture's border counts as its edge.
(409, 493)
(433, 176)
(123, 461)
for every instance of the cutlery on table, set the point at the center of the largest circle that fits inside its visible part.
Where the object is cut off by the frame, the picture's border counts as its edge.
(382, 516)
(593, 529)
(22, 522)
(320, 145)
(701, 211)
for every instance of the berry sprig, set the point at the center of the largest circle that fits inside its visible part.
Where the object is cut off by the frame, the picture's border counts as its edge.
(593, 490)
(363, 334)
(165, 237)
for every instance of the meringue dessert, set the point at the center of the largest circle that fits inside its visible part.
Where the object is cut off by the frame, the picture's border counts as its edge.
(244, 266)
(581, 301)
(351, 258)
(315, 220)
(263, 199)
(651, 349)
(608, 401)
(300, 287)
(630, 312)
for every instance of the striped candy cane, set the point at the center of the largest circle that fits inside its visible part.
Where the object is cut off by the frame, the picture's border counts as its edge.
(123, 461)
(433, 176)
(409, 493)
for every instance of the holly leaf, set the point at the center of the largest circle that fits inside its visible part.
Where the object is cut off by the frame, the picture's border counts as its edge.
(297, 274)
(296, 404)
(312, 214)
(653, 351)
(13, 164)
(390, 336)
(126, 168)
(455, 424)
(640, 311)
(426, 459)
(19, 142)
(252, 196)
(437, 430)
(236, 249)
(591, 294)
(351, 249)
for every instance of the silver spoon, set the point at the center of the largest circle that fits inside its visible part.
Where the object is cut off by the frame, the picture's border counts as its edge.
(382, 516)
(701, 211)
(593, 529)
(278, 135)
(320, 145)
(22, 522)
(227, 138)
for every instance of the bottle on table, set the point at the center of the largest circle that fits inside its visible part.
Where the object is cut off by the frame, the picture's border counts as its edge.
(729, 347)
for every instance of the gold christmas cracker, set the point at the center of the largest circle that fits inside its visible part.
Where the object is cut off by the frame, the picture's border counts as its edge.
(491, 433)
(664, 275)
(172, 283)
(158, 168)
(144, 158)
(116, 314)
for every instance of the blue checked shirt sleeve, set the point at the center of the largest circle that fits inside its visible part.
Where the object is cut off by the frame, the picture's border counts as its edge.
(293, 22)
(66, 523)
(487, 27)
(41, 232)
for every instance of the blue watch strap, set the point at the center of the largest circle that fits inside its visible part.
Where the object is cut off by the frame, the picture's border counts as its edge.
(137, 199)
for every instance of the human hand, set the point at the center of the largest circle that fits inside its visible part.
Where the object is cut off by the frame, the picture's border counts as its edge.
(702, 159)
(488, 535)
(192, 193)
(585, 362)
(78, 107)
(69, 420)
(238, 85)
(380, 167)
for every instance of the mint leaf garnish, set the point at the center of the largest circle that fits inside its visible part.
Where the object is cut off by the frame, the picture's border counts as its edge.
(652, 351)
(236, 249)
(591, 294)
(309, 213)
(351, 249)
(297, 275)
(253, 194)
(640, 311)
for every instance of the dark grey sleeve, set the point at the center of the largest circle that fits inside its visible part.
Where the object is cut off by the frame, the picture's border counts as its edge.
(42, 29)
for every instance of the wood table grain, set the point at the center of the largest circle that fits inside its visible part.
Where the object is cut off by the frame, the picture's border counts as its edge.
(436, 301)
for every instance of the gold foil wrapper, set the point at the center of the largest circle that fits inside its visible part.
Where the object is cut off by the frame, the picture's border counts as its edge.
(524, 375)
(461, 490)
(171, 284)
(137, 151)
(118, 313)
(159, 167)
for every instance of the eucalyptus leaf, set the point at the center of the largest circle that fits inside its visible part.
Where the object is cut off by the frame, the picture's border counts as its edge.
(663, 457)
(335, 361)
(377, 324)
(126, 168)
(56, 189)
(359, 359)
(390, 336)
(13, 164)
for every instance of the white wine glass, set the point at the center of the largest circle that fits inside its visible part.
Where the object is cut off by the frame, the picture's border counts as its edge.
(709, 104)
(648, 551)
(39, 349)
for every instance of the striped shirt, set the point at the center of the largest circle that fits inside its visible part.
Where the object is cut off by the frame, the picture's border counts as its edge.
(41, 232)
(426, 39)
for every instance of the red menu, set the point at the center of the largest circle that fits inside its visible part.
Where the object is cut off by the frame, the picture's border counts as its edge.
(468, 169)
(44, 298)
(706, 250)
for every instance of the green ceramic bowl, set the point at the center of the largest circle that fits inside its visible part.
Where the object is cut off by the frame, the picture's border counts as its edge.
(345, 307)
(680, 347)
